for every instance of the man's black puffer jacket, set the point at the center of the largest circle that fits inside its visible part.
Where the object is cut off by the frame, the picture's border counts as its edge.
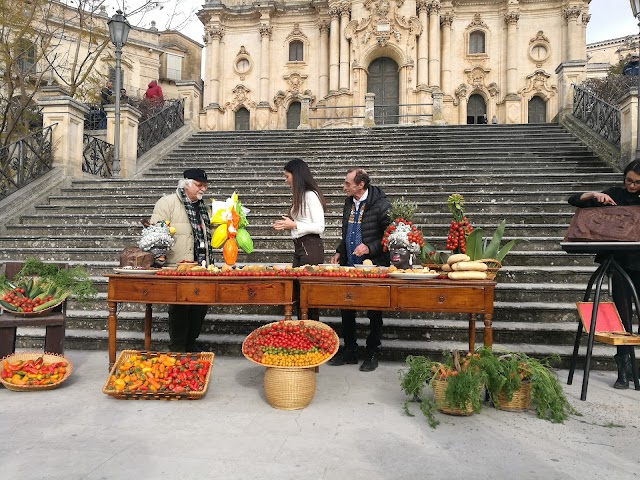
(374, 222)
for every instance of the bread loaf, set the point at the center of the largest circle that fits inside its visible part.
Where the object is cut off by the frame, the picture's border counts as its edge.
(469, 266)
(467, 275)
(458, 257)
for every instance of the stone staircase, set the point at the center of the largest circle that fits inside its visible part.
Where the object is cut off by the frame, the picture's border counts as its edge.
(521, 173)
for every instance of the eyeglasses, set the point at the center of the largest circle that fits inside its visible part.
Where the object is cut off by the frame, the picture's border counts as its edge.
(628, 181)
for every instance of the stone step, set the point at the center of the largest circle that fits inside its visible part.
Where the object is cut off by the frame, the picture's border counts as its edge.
(393, 350)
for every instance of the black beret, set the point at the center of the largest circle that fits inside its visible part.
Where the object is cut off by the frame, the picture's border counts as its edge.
(196, 174)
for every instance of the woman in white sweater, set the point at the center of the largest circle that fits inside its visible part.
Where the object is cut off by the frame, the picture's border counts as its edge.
(306, 216)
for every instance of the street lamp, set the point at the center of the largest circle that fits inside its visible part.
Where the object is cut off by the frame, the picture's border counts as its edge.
(635, 8)
(118, 33)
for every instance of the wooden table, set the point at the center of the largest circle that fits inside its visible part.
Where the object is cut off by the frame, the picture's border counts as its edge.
(193, 290)
(390, 294)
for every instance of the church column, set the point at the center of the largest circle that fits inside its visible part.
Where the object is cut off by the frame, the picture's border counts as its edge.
(511, 19)
(582, 46)
(323, 87)
(334, 49)
(573, 33)
(345, 12)
(434, 43)
(265, 34)
(445, 22)
(423, 43)
(212, 92)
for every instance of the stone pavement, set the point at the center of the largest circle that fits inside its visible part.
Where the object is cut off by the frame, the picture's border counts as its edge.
(355, 428)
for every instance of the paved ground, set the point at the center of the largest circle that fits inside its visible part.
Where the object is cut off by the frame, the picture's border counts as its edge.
(354, 429)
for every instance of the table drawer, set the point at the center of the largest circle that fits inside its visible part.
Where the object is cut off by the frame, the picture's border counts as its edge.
(360, 296)
(253, 293)
(462, 299)
(197, 292)
(132, 290)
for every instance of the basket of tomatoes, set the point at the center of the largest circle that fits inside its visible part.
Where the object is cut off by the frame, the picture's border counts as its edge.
(159, 376)
(29, 371)
(291, 351)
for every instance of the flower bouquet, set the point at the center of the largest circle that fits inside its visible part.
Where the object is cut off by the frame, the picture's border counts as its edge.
(157, 239)
(231, 218)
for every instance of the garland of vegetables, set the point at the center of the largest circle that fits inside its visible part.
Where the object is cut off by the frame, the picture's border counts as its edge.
(231, 218)
(39, 286)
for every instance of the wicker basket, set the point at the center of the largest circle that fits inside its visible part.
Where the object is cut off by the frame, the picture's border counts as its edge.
(493, 267)
(520, 401)
(439, 394)
(164, 395)
(311, 323)
(33, 314)
(48, 358)
(289, 388)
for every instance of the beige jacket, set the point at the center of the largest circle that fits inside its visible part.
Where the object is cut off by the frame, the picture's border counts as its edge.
(171, 208)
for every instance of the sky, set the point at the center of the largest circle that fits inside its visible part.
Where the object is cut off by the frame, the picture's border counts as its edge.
(609, 18)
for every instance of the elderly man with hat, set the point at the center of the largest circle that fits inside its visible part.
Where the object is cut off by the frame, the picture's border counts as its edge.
(632, 67)
(188, 214)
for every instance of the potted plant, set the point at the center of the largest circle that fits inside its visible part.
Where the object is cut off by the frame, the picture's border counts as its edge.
(456, 383)
(514, 380)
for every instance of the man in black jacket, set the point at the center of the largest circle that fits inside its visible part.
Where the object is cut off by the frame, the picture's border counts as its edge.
(364, 220)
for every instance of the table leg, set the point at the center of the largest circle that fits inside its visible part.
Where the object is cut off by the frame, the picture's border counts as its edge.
(304, 312)
(112, 327)
(288, 311)
(472, 332)
(488, 330)
(147, 327)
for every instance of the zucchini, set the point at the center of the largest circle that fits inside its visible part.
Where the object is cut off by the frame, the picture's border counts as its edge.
(7, 306)
(48, 304)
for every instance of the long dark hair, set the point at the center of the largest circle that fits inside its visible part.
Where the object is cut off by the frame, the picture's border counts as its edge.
(302, 180)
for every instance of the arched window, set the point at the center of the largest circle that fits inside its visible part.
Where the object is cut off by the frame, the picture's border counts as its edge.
(296, 52)
(476, 42)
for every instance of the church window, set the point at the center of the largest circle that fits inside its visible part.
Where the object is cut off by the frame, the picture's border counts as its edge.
(296, 51)
(477, 42)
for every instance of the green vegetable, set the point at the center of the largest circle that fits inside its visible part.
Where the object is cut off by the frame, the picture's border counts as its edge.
(477, 251)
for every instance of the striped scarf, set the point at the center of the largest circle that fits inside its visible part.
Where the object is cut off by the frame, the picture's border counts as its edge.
(200, 228)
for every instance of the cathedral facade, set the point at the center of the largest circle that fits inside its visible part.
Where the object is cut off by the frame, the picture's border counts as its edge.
(270, 63)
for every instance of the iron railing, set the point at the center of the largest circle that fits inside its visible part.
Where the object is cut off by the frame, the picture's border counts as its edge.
(95, 118)
(600, 116)
(23, 161)
(97, 156)
(381, 113)
(158, 127)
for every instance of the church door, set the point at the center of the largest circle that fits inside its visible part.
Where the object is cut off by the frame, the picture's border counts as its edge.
(383, 80)
(293, 115)
(242, 119)
(476, 109)
(537, 110)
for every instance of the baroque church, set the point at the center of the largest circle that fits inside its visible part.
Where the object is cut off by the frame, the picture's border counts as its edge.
(419, 61)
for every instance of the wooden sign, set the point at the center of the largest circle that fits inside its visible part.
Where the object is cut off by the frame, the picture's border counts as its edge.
(602, 224)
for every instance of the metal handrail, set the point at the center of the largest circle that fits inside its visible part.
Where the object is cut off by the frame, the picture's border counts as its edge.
(600, 116)
(158, 127)
(23, 161)
(97, 156)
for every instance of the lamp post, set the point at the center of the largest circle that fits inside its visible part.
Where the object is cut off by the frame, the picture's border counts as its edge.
(118, 33)
(635, 8)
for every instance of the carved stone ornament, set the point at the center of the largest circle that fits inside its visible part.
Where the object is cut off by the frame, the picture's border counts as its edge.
(511, 18)
(461, 91)
(265, 30)
(540, 37)
(493, 89)
(446, 20)
(323, 26)
(572, 13)
(240, 94)
(296, 33)
(434, 7)
(538, 82)
(476, 76)
(215, 32)
(295, 81)
(477, 22)
(585, 18)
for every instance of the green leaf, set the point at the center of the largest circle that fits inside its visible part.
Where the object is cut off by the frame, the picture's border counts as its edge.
(474, 244)
(506, 248)
(494, 245)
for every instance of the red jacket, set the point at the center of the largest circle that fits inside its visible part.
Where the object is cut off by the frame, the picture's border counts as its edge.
(154, 92)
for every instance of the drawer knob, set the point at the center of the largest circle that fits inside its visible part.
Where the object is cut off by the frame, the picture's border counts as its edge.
(251, 293)
(144, 293)
(196, 292)
(441, 299)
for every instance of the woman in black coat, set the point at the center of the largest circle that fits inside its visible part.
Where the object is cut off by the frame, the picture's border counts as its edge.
(626, 195)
